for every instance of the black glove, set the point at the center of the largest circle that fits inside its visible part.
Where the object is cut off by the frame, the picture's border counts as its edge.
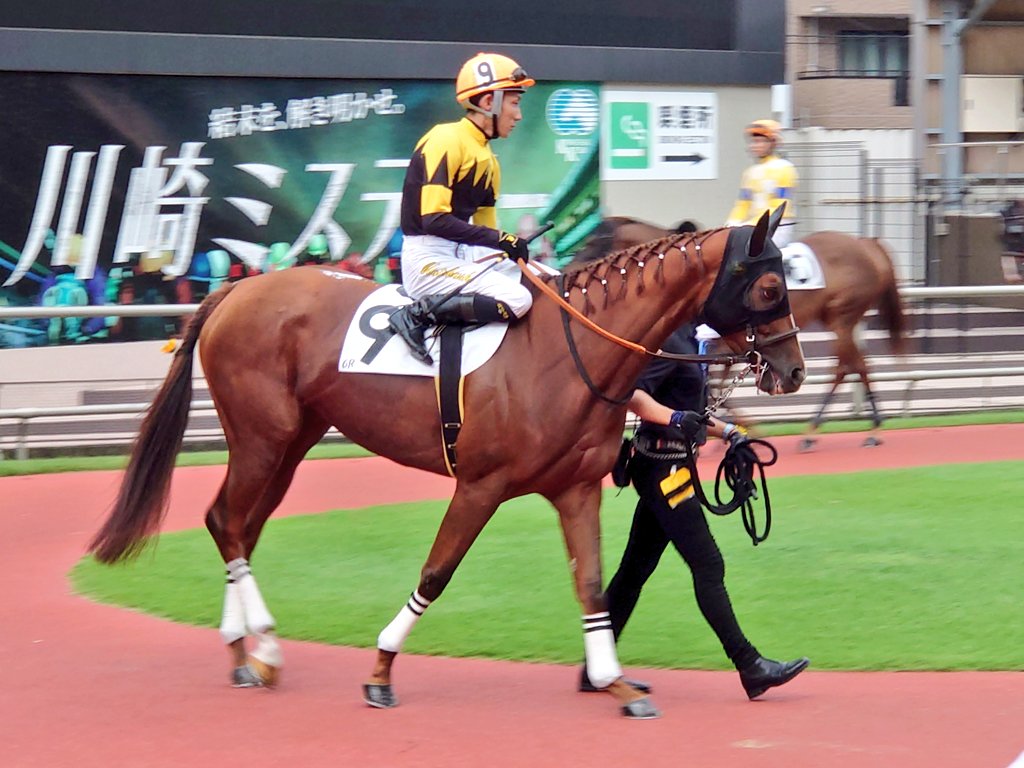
(690, 423)
(515, 247)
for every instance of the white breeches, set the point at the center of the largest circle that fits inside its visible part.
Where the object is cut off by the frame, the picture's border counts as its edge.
(433, 265)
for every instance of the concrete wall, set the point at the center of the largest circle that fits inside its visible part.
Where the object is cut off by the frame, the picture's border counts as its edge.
(57, 376)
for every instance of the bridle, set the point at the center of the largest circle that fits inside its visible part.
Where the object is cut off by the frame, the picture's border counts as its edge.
(752, 356)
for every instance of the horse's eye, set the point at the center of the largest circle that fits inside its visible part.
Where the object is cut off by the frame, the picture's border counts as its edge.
(770, 294)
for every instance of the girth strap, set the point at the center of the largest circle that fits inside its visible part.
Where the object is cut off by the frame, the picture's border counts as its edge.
(449, 388)
(449, 391)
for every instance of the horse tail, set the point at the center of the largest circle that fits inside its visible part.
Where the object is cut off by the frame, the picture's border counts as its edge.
(142, 500)
(890, 304)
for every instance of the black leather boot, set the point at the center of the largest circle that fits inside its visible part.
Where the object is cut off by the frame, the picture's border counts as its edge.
(762, 674)
(411, 323)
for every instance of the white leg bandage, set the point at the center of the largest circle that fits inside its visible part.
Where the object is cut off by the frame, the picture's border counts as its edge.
(394, 634)
(599, 643)
(268, 651)
(257, 617)
(232, 621)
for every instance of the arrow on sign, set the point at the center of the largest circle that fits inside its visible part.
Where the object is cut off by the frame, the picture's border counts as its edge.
(683, 158)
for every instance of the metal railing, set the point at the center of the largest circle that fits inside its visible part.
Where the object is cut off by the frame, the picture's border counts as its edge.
(20, 441)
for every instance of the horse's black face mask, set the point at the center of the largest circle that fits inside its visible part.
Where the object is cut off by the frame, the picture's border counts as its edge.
(729, 306)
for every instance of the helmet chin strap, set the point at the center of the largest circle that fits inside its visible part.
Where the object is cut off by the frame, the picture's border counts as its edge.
(493, 112)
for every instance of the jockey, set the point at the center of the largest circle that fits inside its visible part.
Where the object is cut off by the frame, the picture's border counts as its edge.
(448, 218)
(768, 183)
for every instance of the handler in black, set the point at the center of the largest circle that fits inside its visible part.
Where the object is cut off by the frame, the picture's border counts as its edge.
(669, 399)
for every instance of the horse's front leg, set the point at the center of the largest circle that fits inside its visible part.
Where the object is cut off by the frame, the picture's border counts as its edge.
(467, 514)
(579, 510)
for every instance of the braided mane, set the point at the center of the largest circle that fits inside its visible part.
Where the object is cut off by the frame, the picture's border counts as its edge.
(581, 276)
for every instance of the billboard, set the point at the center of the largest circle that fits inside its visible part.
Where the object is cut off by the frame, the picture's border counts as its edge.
(659, 135)
(129, 188)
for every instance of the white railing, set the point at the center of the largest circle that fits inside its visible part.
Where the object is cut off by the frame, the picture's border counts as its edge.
(961, 292)
(177, 310)
(22, 416)
(102, 310)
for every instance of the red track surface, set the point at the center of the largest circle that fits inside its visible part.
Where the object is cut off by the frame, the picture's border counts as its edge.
(89, 685)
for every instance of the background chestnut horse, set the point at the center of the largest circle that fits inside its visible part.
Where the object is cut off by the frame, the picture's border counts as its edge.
(859, 276)
(531, 425)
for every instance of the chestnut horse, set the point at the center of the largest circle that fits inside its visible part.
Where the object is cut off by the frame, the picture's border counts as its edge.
(531, 424)
(859, 276)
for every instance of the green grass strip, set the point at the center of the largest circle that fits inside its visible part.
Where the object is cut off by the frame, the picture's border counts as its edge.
(897, 569)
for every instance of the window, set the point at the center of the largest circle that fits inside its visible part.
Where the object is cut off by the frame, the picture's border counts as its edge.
(873, 54)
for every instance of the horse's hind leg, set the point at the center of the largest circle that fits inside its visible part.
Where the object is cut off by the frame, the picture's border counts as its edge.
(252, 491)
(808, 441)
(849, 360)
(872, 439)
(471, 507)
(244, 610)
(852, 360)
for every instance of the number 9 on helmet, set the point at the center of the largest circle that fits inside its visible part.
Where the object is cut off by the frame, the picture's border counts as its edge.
(487, 73)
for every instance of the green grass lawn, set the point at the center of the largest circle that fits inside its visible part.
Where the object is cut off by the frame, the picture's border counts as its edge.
(896, 569)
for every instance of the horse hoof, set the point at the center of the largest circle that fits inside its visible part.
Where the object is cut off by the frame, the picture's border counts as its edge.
(807, 444)
(641, 709)
(379, 696)
(871, 441)
(244, 677)
(268, 674)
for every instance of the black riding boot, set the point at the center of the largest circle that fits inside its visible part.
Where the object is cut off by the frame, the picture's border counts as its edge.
(411, 321)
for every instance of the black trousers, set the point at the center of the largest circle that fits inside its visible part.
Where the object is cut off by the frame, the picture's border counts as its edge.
(655, 524)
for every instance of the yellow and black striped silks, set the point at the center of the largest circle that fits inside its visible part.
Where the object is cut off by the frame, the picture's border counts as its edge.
(453, 177)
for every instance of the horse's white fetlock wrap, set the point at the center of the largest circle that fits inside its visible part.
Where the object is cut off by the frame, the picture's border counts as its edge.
(394, 634)
(599, 644)
(257, 617)
(232, 622)
(268, 650)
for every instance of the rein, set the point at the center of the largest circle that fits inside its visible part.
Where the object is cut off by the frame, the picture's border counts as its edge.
(632, 346)
(737, 468)
(580, 368)
(752, 356)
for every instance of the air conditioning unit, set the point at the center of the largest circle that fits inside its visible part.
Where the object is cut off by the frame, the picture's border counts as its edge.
(991, 103)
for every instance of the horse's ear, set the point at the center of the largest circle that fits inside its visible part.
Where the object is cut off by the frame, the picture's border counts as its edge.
(776, 218)
(760, 236)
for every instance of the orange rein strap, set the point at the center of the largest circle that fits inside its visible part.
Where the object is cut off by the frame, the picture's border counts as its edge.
(630, 345)
(575, 313)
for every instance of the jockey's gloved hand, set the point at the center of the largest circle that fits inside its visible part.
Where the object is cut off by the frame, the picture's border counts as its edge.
(690, 423)
(734, 434)
(514, 246)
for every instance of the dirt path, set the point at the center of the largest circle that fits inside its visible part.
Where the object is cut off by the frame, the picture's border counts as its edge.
(93, 686)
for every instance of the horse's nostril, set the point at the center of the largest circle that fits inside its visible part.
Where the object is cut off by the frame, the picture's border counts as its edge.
(798, 375)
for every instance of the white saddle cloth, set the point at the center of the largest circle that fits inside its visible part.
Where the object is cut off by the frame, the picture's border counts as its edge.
(803, 271)
(370, 347)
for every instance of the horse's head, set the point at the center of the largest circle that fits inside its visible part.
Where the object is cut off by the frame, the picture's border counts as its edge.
(749, 307)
